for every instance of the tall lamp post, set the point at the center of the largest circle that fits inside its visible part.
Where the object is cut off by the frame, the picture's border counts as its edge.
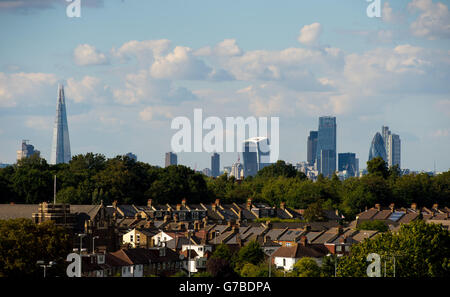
(189, 253)
(93, 243)
(45, 266)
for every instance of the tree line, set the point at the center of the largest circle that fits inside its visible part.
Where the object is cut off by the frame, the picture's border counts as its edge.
(92, 178)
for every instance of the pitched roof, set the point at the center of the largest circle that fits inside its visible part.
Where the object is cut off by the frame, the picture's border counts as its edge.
(15, 211)
(297, 251)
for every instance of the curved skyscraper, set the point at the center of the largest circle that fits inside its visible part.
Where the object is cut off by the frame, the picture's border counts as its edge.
(377, 148)
(61, 143)
(256, 155)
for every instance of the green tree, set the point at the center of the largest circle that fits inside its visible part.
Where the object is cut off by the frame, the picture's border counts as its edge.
(421, 250)
(252, 270)
(306, 267)
(23, 243)
(250, 253)
(314, 212)
(375, 225)
(377, 166)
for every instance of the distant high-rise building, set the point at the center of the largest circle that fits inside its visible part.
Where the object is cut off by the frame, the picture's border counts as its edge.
(327, 163)
(237, 170)
(256, 155)
(206, 171)
(26, 151)
(392, 145)
(215, 165)
(61, 142)
(326, 141)
(347, 161)
(312, 148)
(394, 150)
(171, 159)
(131, 156)
(377, 148)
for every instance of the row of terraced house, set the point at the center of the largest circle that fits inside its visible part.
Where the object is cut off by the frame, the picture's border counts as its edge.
(129, 240)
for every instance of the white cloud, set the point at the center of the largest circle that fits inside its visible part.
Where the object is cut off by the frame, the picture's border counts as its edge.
(88, 89)
(309, 34)
(433, 21)
(144, 51)
(155, 113)
(85, 54)
(179, 64)
(20, 87)
(142, 88)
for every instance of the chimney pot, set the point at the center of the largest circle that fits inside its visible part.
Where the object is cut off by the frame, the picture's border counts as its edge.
(414, 206)
(217, 202)
(378, 206)
(183, 202)
(303, 240)
(149, 203)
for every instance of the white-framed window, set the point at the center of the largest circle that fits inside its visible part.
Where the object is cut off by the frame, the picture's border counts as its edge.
(288, 244)
(131, 237)
(284, 262)
(338, 248)
(138, 238)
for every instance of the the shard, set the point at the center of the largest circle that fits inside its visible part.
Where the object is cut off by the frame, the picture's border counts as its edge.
(61, 143)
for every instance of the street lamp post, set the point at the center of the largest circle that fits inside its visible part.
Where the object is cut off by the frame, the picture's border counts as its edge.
(45, 266)
(189, 253)
(81, 241)
(93, 243)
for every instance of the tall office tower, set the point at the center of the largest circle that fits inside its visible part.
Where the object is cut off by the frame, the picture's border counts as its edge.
(326, 140)
(347, 161)
(256, 155)
(26, 151)
(377, 148)
(237, 170)
(61, 143)
(394, 150)
(215, 165)
(327, 163)
(312, 148)
(171, 159)
(385, 132)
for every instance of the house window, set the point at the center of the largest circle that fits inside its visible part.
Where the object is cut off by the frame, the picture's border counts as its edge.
(200, 249)
(338, 248)
(288, 244)
(347, 248)
(138, 238)
(284, 262)
(195, 215)
(131, 238)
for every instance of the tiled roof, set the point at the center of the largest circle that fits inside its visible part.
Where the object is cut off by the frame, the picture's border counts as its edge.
(297, 251)
(15, 211)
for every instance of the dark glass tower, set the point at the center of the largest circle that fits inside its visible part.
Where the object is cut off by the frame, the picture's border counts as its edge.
(215, 165)
(347, 161)
(326, 141)
(312, 148)
(377, 148)
(171, 159)
(256, 155)
(61, 143)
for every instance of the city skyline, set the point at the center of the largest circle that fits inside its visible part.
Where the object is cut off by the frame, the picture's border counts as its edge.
(123, 89)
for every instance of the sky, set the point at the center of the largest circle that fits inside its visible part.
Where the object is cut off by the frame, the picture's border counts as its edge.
(130, 67)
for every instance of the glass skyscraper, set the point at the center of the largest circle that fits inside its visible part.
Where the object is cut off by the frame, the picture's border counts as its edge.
(377, 148)
(347, 161)
(326, 141)
(312, 148)
(215, 165)
(61, 142)
(256, 155)
(171, 159)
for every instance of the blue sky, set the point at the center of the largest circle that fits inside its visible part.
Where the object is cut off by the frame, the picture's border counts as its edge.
(130, 67)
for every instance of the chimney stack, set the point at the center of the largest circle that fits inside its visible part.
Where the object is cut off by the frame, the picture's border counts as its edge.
(378, 206)
(175, 218)
(392, 207)
(217, 202)
(339, 230)
(183, 202)
(435, 206)
(166, 218)
(414, 206)
(178, 206)
(303, 240)
(249, 203)
(282, 205)
(214, 207)
(149, 203)
(307, 227)
(114, 204)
